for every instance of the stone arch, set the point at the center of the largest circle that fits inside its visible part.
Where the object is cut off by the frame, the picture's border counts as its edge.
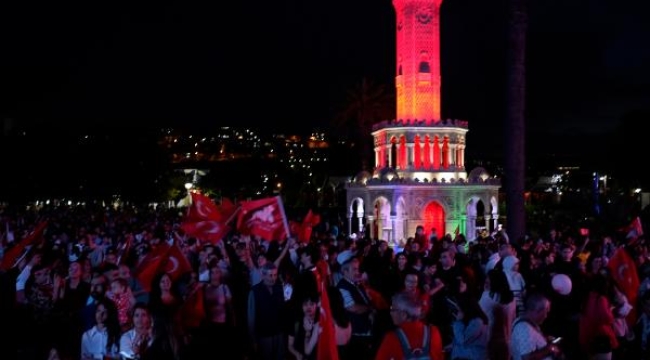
(382, 226)
(474, 217)
(400, 228)
(494, 212)
(356, 215)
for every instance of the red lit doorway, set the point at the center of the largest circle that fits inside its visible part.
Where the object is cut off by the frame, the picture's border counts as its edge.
(434, 217)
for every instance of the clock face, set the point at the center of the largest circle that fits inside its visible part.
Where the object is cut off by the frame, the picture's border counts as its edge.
(424, 15)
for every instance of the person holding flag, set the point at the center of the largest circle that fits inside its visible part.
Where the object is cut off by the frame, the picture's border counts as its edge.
(311, 285)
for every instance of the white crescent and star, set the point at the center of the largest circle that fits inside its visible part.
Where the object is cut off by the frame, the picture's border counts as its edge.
(210, 227)
(174, 261)
(202, 209)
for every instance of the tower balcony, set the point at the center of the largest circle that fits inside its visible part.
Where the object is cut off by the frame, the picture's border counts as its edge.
(421, 123)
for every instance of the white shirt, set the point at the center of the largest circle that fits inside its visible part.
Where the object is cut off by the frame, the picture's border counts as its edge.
(526, 339)
(93, 344)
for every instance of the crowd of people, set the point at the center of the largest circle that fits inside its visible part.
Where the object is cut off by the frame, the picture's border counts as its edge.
(80, 292)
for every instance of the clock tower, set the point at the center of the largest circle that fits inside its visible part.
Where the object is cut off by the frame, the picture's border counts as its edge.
(419, 178)
(417, 80)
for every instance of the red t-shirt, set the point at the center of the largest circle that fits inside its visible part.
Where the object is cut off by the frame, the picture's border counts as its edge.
(391, 348)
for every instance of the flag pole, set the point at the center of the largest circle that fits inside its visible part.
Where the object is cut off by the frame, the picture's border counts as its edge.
(284, 216)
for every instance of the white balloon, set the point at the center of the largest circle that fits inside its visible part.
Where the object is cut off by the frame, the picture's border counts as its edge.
(562, 284)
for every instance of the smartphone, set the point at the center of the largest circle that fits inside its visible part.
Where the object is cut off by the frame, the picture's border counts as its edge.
(556, 340)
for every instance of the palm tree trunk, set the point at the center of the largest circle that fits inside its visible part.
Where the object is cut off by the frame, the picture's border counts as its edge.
(515, 125)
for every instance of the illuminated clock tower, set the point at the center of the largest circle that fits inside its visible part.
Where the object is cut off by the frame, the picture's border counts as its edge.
(418, 59)
(419, 177)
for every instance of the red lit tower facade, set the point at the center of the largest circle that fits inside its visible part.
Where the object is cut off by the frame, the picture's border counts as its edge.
(418, 59)
(419, 176)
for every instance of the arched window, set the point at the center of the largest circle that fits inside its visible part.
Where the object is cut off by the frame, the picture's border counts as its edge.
(424, 63)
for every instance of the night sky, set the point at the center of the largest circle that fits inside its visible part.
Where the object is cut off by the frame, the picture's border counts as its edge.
(272, 63)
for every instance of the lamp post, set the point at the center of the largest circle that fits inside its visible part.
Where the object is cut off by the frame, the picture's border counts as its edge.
(188, 198)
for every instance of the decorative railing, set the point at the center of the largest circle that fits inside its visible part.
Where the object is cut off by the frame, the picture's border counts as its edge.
(420, 123)
(434, 182)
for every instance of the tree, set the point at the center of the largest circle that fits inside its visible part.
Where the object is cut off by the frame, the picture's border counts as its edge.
(366, 104)
(515, 124)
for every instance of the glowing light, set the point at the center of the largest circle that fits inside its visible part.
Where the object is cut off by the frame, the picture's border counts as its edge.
(418, 62)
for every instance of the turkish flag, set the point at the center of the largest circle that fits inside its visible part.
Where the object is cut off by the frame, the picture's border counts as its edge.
(14, 253)
(624, 272)
(634, 230)
(193, 309)
(303, 230)
(165, 258)
(326, 348)
(307, 226)
(264, 218)
(205, 220)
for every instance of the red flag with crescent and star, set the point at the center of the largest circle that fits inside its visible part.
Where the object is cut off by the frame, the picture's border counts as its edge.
(205, 220)
(165, 258)
(624, 272)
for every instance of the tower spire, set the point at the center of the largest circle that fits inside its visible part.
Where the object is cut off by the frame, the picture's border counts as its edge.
(417, 80)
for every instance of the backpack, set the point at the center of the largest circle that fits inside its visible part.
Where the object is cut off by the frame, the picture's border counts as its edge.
(421, 353)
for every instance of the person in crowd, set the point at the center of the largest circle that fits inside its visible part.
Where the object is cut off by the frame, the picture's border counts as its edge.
(164, 343)
(516, 281)
(342, 325)
(101, 342)
(70, 296)
(124, 300)
(217, 330)
(410, 332)
(138, 291)
(498, 303)
(97, 293)
(470, 330)
(412, 286)
(528, 341)
(165, 298)
(266, 312)
(359, 308)
(304, 335)
(394, 278)
(135, 341)
(596, 323)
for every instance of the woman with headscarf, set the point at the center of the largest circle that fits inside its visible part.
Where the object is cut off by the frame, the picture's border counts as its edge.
(515, 281)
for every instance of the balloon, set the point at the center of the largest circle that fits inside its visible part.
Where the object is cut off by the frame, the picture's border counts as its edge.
(562, 284)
